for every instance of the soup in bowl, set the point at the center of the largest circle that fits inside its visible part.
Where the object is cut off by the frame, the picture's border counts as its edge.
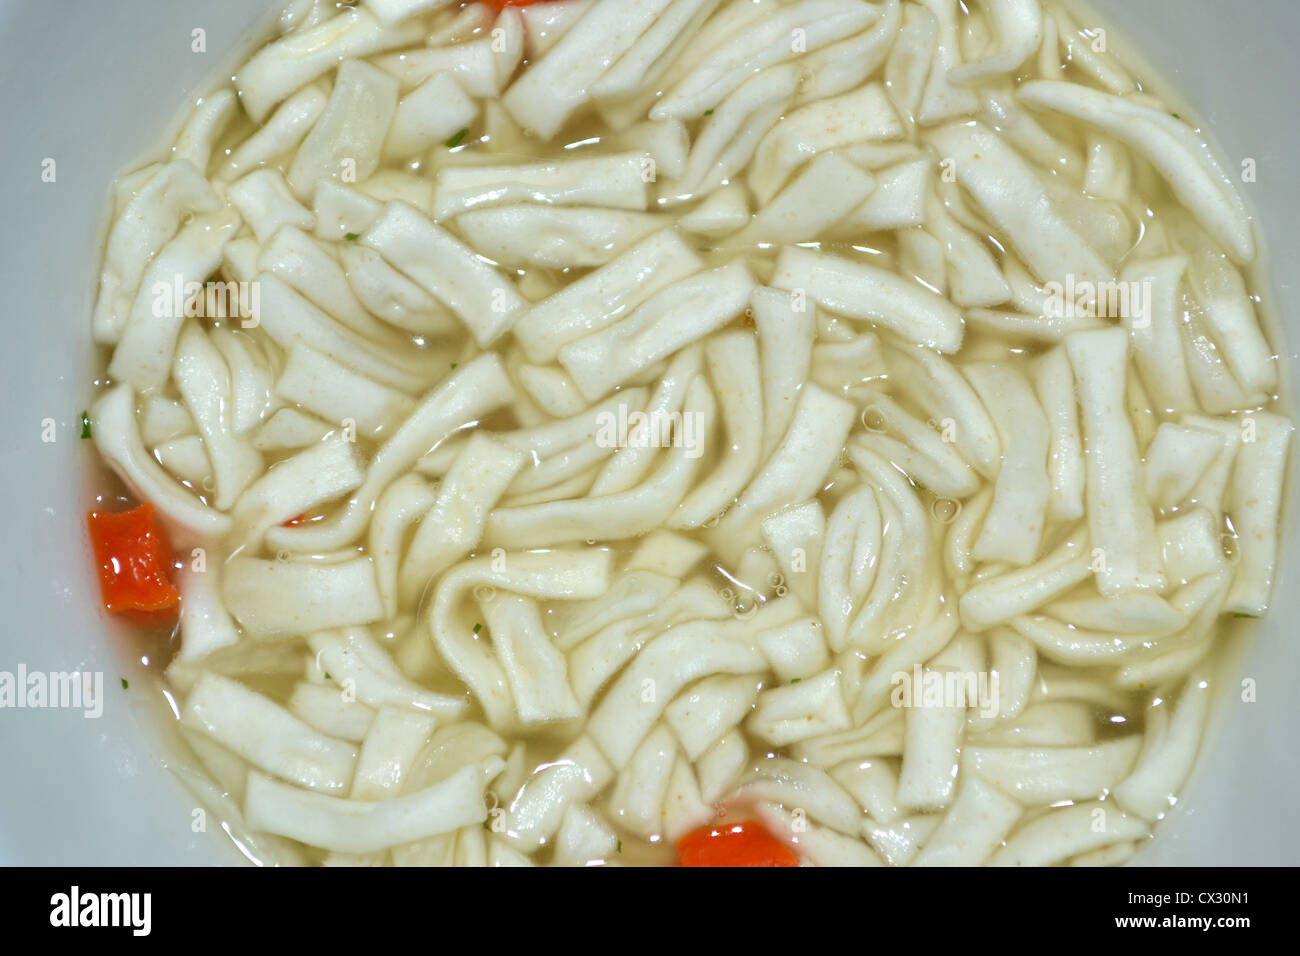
(722, 433)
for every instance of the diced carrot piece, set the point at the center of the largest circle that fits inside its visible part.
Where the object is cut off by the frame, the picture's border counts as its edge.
(733, 844)
(133, 558)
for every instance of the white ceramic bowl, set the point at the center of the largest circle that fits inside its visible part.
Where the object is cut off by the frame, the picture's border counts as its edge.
(89, 85)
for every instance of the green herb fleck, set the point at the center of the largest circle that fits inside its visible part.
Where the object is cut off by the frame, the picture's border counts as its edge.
(619, 848)
(795, 680)
(453, 366)
(85, 424)
(1253, 617)
(708, 112)
(352, 236)
(477, 628)
(456, 140)
(487, 824)
(1175, 116)
(327, 676)
(125, 685)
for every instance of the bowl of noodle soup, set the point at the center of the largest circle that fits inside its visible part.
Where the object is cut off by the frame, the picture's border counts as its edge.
(569, 434)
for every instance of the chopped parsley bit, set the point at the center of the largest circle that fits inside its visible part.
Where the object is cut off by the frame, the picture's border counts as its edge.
(708, 112)
(619, 848)
(795, 680)
(477, 628)
(1253, 617)
(125, 685)
(352, 236)
(456, 140)
(1175, 116)
(85, 424)
(453, 365)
